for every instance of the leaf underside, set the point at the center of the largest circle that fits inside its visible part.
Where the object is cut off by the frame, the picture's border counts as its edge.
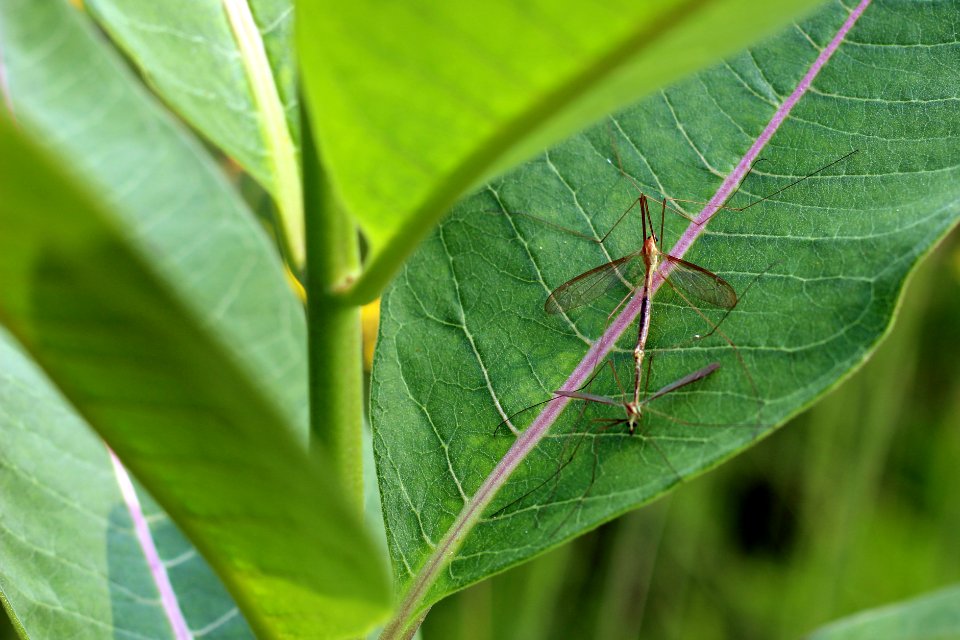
(72, 564)
(464, 339)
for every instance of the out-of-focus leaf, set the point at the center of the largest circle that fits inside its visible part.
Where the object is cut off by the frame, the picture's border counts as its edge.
(209, 443)
(174, 207)
(416, 102)
(71, 565)
(934, 616)
(227, 67)
(465, 342)
(74, 96)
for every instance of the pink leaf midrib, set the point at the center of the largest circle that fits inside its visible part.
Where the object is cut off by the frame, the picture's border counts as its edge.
(168, 597)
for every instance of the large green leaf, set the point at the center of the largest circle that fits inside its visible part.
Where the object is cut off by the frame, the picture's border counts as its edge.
(465, 342)
(72, 564)
(416, 102)
(72, 94)
(202, 436)
(227, 67)
(933, 616)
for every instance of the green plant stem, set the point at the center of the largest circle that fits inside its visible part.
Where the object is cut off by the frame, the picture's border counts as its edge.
(333, 328)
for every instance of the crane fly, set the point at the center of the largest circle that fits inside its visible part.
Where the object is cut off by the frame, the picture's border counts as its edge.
(640, 268)
(632, 410)
(638, 271)
(632, 268)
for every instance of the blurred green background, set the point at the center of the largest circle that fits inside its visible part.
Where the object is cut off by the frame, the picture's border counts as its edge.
(851, 506)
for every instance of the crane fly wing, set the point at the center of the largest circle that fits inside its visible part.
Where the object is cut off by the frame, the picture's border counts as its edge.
(690, 378)
(590, 285)
(697, 282)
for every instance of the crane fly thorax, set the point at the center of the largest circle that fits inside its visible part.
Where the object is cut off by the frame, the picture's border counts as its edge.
(651, 254)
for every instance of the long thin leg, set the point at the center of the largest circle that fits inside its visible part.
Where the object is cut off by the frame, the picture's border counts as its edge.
(646, 385)
(583, 496)
(555, 476)
(740, 297)
(716, 329)
(508, 419)
(616, 378)
(568, 230)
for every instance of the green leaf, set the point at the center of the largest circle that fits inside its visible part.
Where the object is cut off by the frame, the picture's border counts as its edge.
(416, 102)
(170, 201)
(465, 341)
(143, 369)
(74, 95)
(227, 67)
(70, 561)
(934, 616)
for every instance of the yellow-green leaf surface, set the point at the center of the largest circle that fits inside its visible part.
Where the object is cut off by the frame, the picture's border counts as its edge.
(465, 342)
(416, 102)
(79, 556)
(227, 67)
(934, 616)
(189, 422)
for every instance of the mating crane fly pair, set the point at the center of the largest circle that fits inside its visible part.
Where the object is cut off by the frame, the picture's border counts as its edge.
(641, 268)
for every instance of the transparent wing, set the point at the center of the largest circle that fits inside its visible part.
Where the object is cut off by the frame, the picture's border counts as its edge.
(690, 378)
(590, 285)
(696, 282)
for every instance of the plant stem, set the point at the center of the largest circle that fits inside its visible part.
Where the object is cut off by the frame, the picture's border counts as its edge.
(333, 327)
